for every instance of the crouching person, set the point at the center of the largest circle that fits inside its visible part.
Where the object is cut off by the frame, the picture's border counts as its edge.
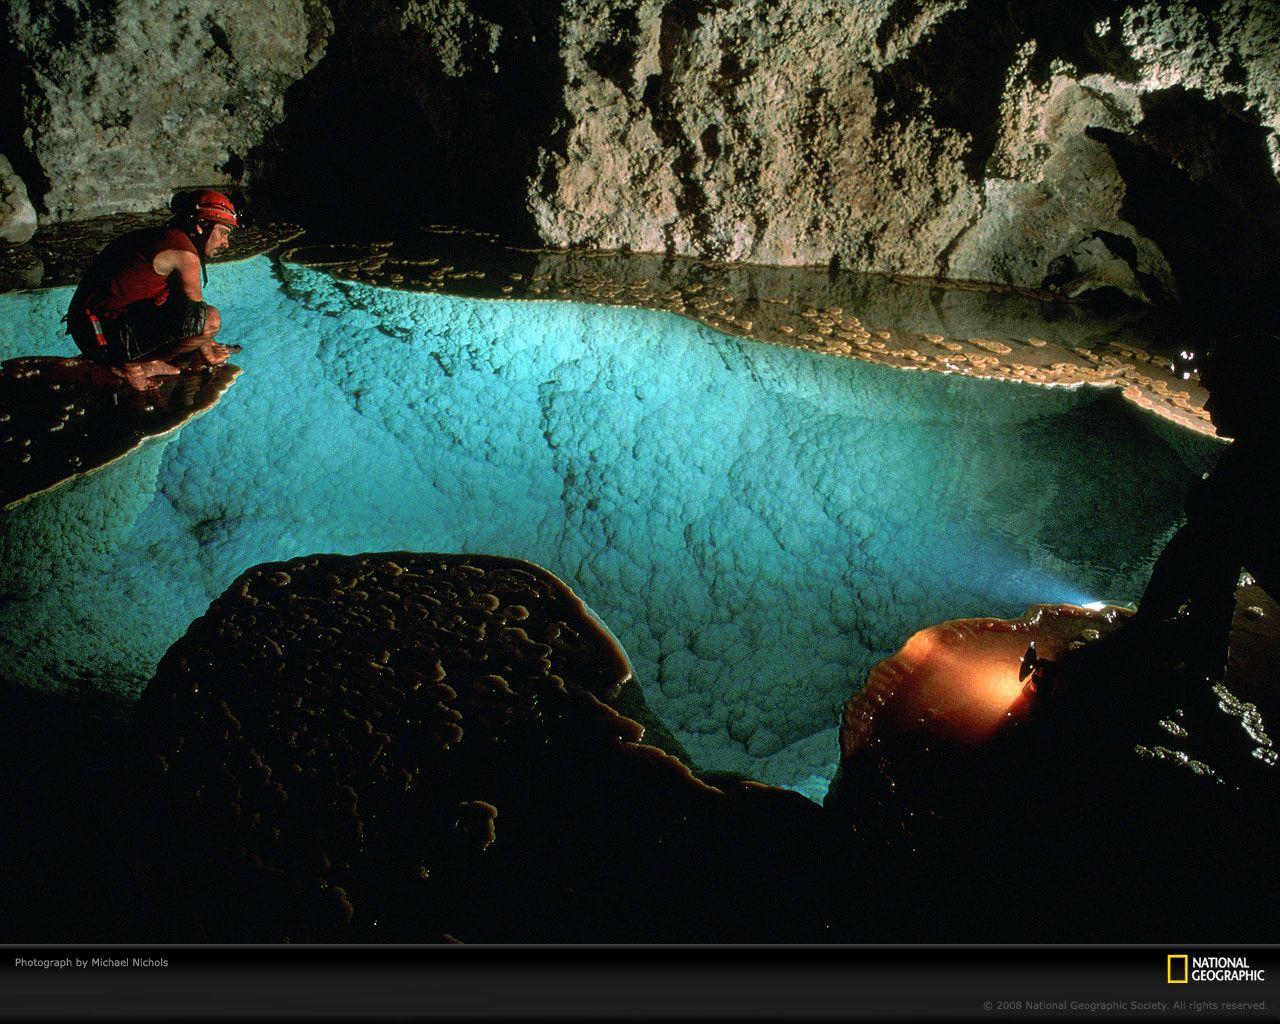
(140, 308)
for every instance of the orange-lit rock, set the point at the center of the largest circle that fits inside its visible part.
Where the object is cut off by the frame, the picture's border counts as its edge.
(959, 680)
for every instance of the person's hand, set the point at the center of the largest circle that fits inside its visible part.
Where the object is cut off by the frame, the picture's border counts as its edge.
(213, 354)
(155, 368)
(143, 376)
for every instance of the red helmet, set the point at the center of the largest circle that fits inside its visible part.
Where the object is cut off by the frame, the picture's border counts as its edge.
(206, 205)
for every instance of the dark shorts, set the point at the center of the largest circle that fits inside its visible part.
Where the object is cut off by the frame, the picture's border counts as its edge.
(143, 331)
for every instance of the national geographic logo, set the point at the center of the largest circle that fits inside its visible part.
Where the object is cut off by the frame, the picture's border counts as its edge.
(1184, 968)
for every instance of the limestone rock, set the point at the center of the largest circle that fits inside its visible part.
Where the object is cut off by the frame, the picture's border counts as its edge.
(1223, 50)
(1065, 230)
(1024, 148)
(458, 39)
(17, 215)
(1125, 148)
(749, 132)
(121, 104)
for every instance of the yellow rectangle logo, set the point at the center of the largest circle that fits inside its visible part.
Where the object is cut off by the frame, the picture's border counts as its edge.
(1182, 975)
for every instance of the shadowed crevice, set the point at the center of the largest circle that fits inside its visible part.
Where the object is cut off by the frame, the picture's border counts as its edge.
(1199, 184)
(956, 74)
(412, 138)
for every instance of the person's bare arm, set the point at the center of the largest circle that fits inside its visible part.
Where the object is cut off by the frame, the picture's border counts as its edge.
(186, 265)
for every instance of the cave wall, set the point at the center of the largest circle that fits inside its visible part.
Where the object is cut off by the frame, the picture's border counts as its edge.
(420, 111)
(1083, 146)
(108, 107)
(1126, 149)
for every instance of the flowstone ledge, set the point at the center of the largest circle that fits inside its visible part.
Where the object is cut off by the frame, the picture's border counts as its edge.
(61, 419)
(423, 747)
(964, 328)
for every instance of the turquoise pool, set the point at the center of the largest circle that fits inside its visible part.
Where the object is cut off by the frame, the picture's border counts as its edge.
(756, 524)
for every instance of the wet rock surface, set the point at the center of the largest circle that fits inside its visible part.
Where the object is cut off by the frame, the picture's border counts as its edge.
(958, 685)
(330, 756)
(415, 747)
(349, 761)
(965, 328)
(960, 680)
(63, 418)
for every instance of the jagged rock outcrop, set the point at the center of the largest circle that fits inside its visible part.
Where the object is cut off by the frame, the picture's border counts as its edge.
(1155, 175)
(1128, 150)
(120, 104)
(17, 215)
(1060, 219)
(749, 132)
(1033, 146)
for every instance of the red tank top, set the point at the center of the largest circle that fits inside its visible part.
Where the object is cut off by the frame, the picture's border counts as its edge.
(123, 274)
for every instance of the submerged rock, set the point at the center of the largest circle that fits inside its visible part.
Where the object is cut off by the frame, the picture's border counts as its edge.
(967, 328)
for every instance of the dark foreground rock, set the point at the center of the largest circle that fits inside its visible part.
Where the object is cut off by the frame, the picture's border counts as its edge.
(1133, 804)
(428, 748)
(409, 747)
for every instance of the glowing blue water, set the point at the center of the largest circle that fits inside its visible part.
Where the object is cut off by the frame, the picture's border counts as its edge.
(757, 525)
